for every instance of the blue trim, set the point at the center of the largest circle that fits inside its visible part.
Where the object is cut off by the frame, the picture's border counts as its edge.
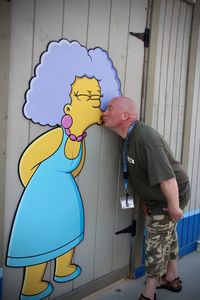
(187, 249)
(39, 296)
(24, 261)
(139, 272)
(188, 230)
(1, 281)
(0, 288)
(191, 213)
(69, 277)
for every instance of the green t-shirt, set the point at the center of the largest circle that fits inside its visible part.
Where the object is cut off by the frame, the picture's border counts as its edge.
(150, 161)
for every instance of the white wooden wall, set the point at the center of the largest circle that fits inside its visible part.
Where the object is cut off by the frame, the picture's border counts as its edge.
(104, 23)
(194, 149)
(170, 96)
(4, 73)
(171, 71)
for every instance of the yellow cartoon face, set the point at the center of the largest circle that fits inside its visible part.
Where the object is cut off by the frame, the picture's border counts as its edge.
(85, 101)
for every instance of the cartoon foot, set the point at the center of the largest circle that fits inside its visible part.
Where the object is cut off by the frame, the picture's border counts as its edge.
(73, 272)
(38, 296)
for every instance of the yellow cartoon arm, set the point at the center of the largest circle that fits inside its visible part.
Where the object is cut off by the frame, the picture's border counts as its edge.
(39, 150)
(80, 166)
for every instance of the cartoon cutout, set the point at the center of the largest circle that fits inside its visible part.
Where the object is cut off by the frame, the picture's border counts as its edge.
(71, 87)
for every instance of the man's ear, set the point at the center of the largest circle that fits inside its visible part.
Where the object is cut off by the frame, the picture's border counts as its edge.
(125, 116)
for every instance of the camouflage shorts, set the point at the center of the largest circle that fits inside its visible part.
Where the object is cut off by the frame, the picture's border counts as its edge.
(161, 245)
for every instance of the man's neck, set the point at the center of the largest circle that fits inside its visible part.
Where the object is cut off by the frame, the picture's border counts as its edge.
(122, 130)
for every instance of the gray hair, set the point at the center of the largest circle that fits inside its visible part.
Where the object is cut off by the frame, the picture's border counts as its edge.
(60, 64)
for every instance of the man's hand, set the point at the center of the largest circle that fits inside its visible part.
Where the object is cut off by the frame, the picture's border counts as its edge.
(146, 210)
(170, 190)
(175, 213)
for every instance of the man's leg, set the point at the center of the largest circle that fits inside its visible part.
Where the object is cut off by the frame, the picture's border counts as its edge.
(170, 280)
(153, 256)
(150, 286)
(172, 270)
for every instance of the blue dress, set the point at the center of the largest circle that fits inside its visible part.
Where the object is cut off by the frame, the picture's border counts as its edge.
(50, 218)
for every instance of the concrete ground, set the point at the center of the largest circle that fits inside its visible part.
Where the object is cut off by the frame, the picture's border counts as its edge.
(130, 289)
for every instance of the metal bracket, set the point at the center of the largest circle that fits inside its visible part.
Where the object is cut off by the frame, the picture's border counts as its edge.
(130, 229)
(143, 36)
(189, 1)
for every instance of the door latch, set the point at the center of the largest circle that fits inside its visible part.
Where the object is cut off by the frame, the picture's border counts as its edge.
(143, 36)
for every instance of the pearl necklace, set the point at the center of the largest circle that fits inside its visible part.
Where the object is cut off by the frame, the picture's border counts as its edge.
(66, 122)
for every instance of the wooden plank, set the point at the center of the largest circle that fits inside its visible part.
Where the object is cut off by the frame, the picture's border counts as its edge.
(4, 77)
(197, 204)
(79, 10)
(98, 24)
(106, 205)
(119, 23)
(186, 44)
(133, 78)
(135, 51)
(164, 65)
(152, 80)
(194, 109)
(191, 86)
(45, 31)
(183, 79)
(177, 77)
(192, 118)
(170, 73)
(196, 167)
(75, 24)
(119, 34)
(156, 103)
(75, 12)
(22, 19)
(193, 165)
(88, 185)
(194, 177)
(90, 177)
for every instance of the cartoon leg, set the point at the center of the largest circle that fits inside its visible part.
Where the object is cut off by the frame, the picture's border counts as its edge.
(34, 288)
(65, 270)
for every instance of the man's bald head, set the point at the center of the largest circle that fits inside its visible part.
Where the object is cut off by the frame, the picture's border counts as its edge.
(125, 105)
(120, 114)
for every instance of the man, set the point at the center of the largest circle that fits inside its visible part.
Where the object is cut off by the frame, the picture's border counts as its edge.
(161, 182)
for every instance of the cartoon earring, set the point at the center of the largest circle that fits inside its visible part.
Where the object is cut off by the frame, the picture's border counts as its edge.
(67, 122)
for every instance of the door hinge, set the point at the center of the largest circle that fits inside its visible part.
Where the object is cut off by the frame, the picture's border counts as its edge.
(130, 229)
(143, 36)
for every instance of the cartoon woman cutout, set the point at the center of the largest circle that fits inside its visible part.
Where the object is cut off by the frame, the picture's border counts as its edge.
(71, 87)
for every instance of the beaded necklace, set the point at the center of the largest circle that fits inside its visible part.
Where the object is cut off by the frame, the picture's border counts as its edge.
(66, 122)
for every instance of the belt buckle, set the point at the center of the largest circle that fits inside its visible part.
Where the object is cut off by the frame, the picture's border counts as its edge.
(158, 217)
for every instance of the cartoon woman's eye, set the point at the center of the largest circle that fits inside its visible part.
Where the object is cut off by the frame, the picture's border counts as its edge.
(85, 97)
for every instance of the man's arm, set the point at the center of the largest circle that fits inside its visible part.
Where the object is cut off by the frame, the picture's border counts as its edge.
(170, 190)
